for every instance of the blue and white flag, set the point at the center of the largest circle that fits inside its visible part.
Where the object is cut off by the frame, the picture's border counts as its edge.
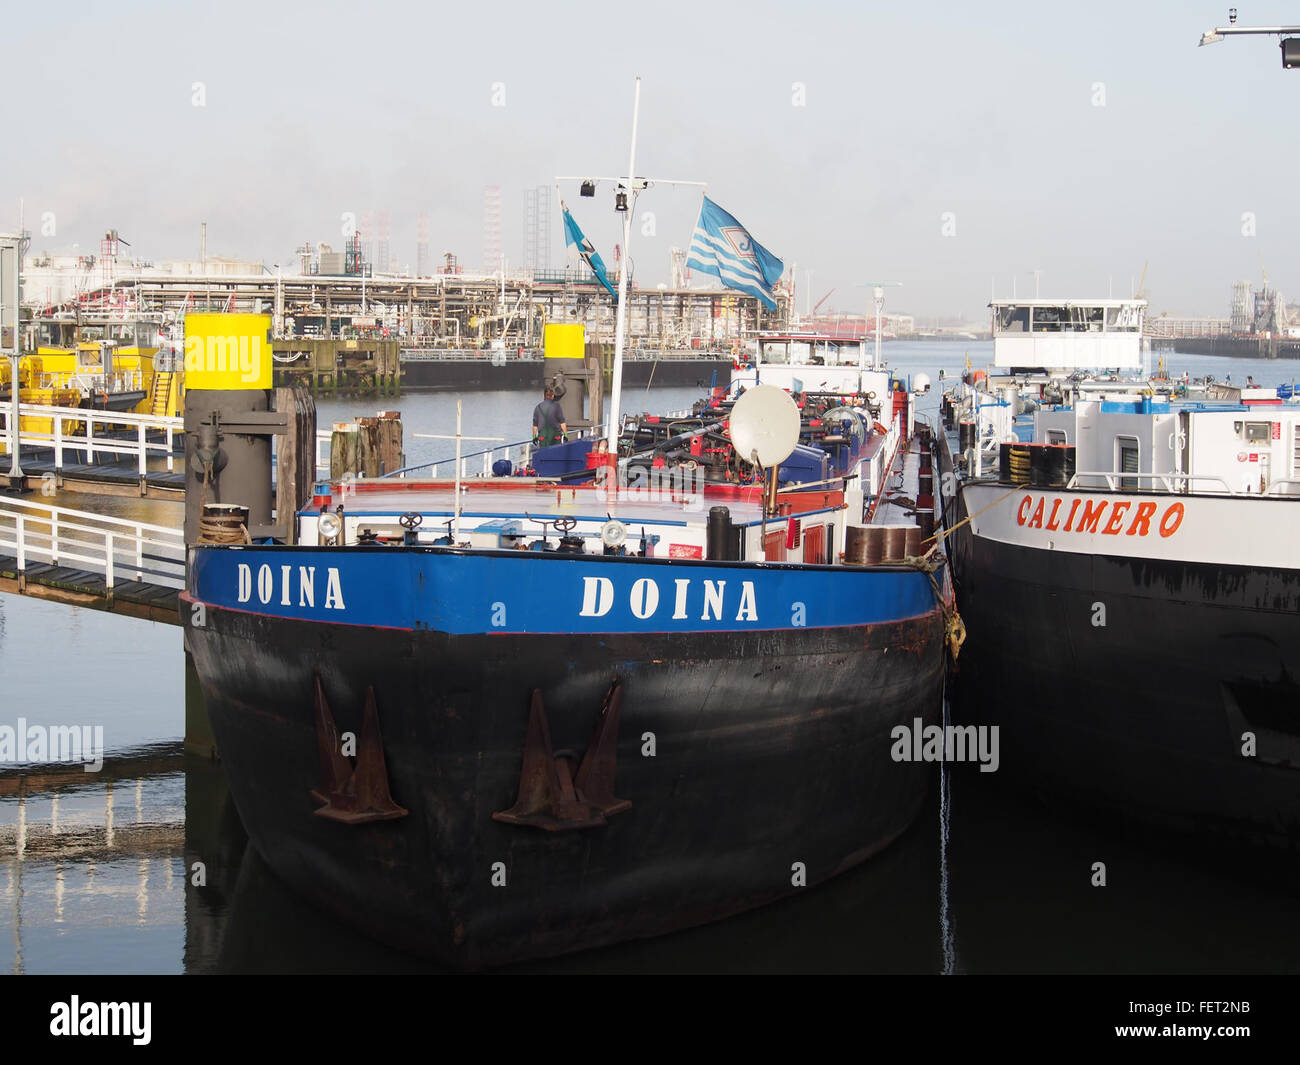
(723, 247)
(573, 238)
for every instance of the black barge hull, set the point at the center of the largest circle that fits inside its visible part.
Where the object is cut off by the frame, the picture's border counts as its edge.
(754, 763)
(1181, 710)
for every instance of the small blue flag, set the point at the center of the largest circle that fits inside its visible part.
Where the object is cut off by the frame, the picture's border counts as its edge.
(574, 238)
(723, 247)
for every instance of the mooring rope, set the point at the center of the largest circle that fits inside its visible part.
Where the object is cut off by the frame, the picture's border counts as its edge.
(218, 530)
(969, 517)
(929, 563)
(954, 629)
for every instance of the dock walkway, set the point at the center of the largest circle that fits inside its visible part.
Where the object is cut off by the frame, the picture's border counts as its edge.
(86, 559)
(109, 475)
(80, 587)
(109, 452)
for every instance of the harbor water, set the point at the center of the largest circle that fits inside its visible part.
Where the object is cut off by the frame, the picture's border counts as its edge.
(143, 865)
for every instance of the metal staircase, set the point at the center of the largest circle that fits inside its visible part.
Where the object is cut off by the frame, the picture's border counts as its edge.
(162, 390)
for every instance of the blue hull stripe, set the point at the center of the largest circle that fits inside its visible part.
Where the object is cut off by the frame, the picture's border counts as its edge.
(524, 592)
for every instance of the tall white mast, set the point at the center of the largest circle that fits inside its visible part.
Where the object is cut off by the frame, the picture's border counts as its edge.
(620, 331)
(878, 293)
(626, 189)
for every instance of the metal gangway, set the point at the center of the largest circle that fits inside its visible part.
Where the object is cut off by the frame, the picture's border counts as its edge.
(86, 559)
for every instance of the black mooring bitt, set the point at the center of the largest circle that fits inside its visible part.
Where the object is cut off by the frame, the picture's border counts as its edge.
(357, 794)
(552, 796)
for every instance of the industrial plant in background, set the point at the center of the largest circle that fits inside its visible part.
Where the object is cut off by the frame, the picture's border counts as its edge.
(1260, 326)
(341, 324)
(347, 293)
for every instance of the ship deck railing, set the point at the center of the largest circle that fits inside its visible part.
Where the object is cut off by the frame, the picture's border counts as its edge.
(86, 380)
(488, 455)
(1180, 483)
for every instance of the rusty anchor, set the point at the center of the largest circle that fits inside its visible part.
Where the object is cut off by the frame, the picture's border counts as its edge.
(551, 795)
(352, 795)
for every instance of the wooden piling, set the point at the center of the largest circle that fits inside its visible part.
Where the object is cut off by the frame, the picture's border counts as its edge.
(344, 450)
(391, 456)
(367, 447)
(295, 468)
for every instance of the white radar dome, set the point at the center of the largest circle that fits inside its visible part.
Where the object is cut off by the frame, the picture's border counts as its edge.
(765, 426)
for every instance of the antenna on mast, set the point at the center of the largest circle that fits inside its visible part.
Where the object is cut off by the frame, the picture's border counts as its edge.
(625, 190)
(878, 294)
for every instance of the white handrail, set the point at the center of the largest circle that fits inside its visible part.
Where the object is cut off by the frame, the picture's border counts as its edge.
(41, 532)
(117, 417)
(1165, 480)
(142, 448)
(163, 531)
(62, 441)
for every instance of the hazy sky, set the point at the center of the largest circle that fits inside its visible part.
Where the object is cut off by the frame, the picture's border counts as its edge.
(1079, 139)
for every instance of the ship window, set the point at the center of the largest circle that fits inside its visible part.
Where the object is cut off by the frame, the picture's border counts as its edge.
(1086, 319)
(845, 353)
(1012, 320)
(1258, 432)
(776, 352)
(1126, 448)
(1056, 436)
(799, 351)
(1121, 319)
(1050, 319)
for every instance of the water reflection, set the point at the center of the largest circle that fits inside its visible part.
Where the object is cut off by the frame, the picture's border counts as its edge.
(876, 917)
(92, 863)
(162, 849)
(215, 848)
(146, 867)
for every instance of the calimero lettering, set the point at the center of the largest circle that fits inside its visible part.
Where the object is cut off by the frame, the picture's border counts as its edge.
(1100, 515)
